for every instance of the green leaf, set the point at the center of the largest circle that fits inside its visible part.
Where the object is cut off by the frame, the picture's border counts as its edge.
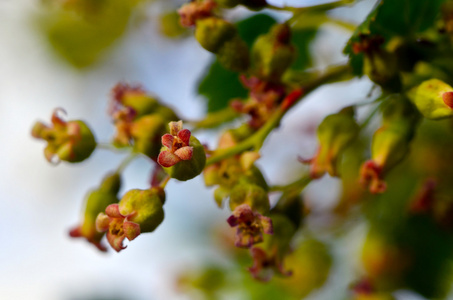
(82, 34)
(392, 18)
(301, 39)
(219, 85)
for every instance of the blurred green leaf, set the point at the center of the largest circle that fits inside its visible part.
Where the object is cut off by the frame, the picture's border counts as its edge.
(391, 18)
(81, 33)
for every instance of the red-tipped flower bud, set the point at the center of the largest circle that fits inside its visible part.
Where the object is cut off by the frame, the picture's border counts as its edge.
(272, 53)
(335, 133)
(183, 157)
(70, 141)
(433, 98)
(96, 202)
(138, 211)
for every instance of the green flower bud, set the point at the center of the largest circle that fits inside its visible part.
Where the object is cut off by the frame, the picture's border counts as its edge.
(70, 141)
(268, 256)
(135, 98)
(335, 133)
(310, 264)
(272, 53)
(146, 133)
(95, 203)
(433, 98)
(252, 195)
(183, 156)
(213, 32)
(390, 142)
(234, 55)
(137, 212)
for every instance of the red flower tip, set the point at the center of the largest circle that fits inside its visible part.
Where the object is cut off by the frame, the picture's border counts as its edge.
(424, 199)
(117, 226)
(250, 226)
(177, 143)
(371, 176)
(447, 97)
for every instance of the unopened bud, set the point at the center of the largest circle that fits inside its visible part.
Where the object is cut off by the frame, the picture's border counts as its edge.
(335, 133)
(272, 53)
(213, 32)
(146, 133)
(70, 141)
(95, 203)
(234, 54)
(433, 98)
(139, 211)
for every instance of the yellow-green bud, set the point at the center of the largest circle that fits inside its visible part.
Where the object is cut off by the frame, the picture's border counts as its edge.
(212, 33)
(234, 55)
(272, 53)
(252, 195)
(146, 132)
(433, 98)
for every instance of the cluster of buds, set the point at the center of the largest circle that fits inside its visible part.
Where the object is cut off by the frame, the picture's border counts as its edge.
(182, 156)
(335, 133)
(216, 35)
(390, 142)
(95, 203)
(140, 120)
(242, 182)
(138, 211)
(70, 141)
(264, 98)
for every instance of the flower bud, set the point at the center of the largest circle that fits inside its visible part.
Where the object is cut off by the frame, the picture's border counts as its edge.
(310, 264)
(234, 54)
(380, 65)
(137, 212)
(70, 141)
(272, 53)
(195, 10)
(250, 226)
(335, 133)
(213, 32)
(182, 157)
(146, 133)
(95, 203)
(433, 98)
(390, 142)
(268, 257)
(252, 195)
(133, 97)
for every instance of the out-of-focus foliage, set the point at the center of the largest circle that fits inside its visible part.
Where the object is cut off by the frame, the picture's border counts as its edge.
(82, 30)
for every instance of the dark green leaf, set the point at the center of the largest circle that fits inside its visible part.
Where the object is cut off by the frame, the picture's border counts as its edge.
(391, 18)
(301, 39)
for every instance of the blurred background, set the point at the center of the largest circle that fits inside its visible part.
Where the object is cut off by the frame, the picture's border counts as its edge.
(41, 202)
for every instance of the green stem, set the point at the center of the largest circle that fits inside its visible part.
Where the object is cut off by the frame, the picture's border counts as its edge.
(256, 140)
(296, 186)
(215, 119)
(164, 182)
(110, 147)
(126, 161)
(319, 7)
